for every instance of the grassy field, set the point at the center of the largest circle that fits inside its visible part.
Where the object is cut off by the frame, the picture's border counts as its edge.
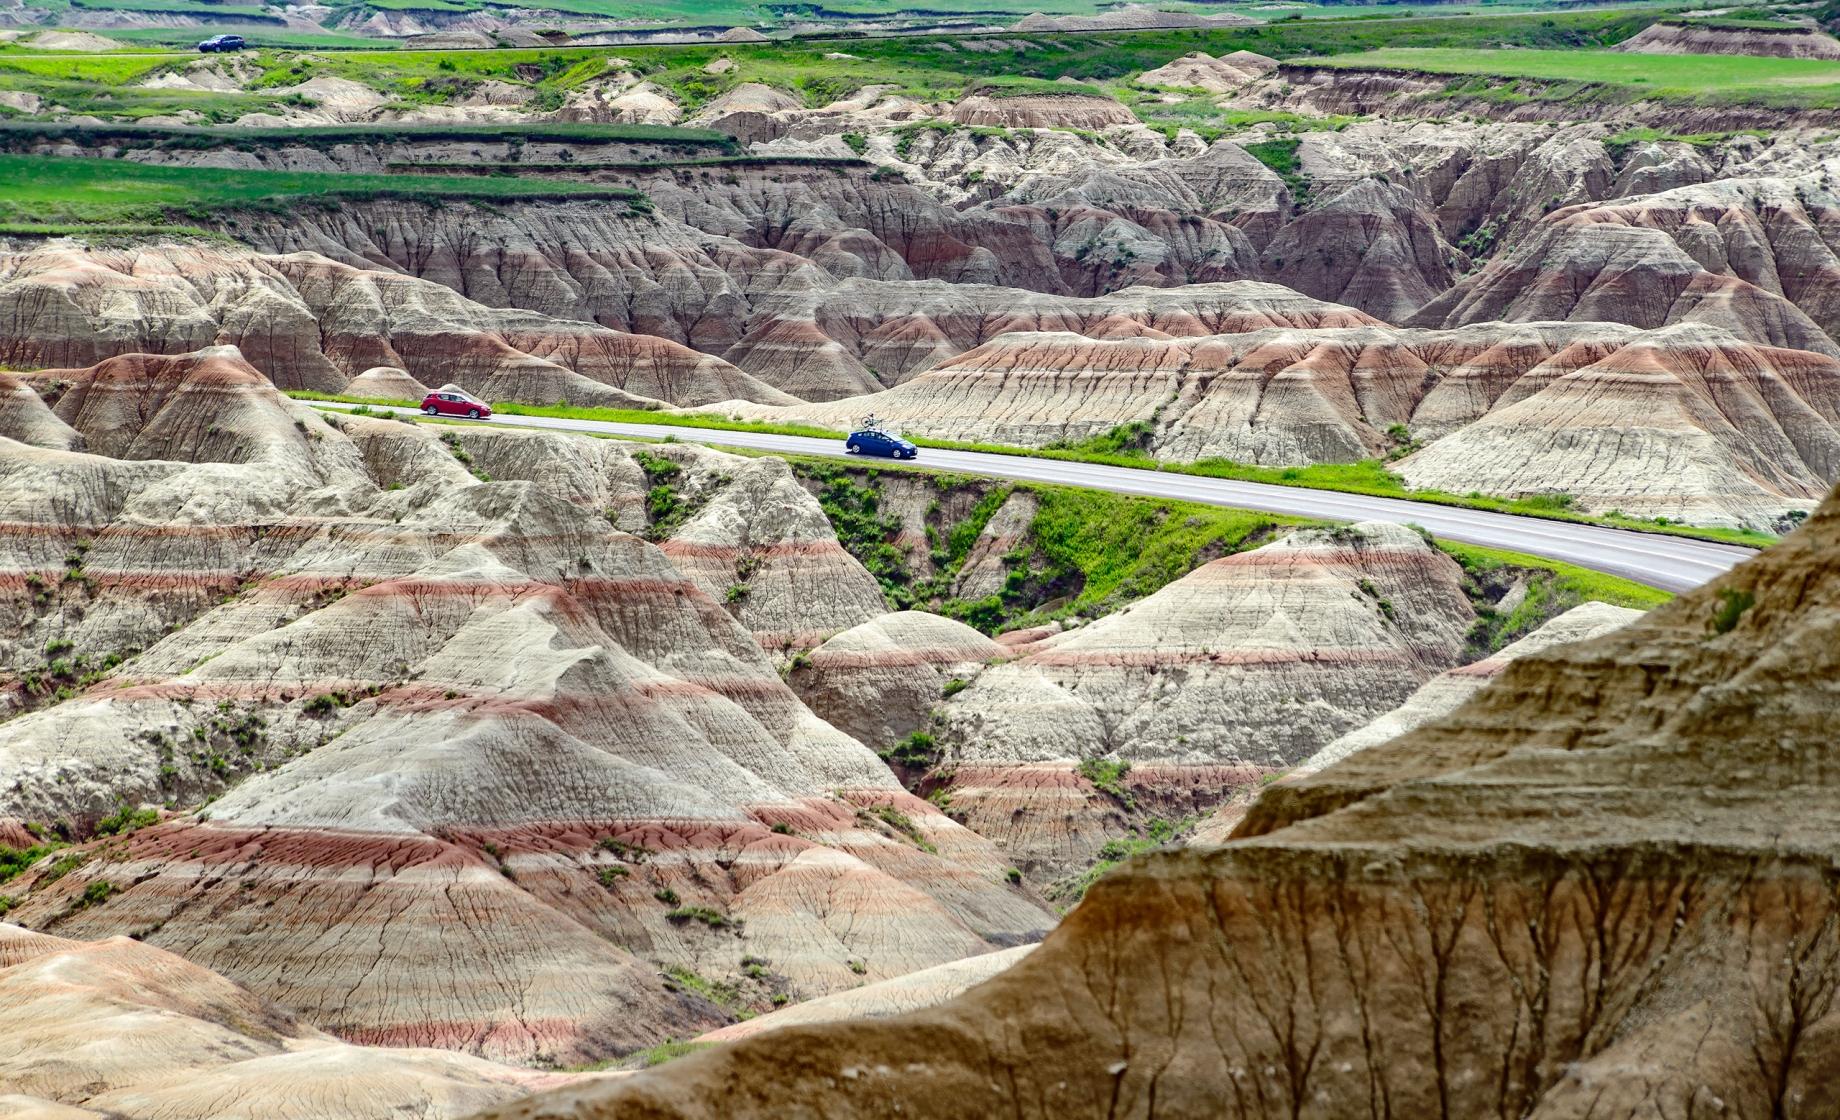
(16, 134)
(55, 193)
(1732, 78)
(928, 66)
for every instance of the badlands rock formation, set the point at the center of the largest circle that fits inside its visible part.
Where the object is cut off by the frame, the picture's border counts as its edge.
(312, 323)
(1069, 110)
(1600, 888)
(120, 1028)
(1678, 37)
(1749, 255)
(1688, 422)
(879, 682)
(1203, 71)
(529, 756)
(1241, 669)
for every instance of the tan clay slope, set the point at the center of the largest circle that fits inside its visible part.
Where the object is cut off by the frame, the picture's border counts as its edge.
(118, 1028)
(490, 762)
(1604, 888)
(1687, 422)
(1668, 37)
(311, 323)
(1755, 256)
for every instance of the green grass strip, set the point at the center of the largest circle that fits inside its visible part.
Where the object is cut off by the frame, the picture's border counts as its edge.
(56, 191)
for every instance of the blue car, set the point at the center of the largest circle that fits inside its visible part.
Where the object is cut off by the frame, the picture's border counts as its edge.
(871, 439)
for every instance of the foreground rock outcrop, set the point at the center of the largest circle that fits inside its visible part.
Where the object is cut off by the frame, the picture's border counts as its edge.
(1604, 887)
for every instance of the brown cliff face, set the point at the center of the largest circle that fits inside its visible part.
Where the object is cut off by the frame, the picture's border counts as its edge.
(1604, 887)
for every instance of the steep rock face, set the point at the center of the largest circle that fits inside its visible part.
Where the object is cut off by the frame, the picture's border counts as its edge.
(1601, 888)
(1447, 691)
(880, 681)
(311, 323)
(1743, 431)
(120, 1028)
(480, 746)
(1042, 111)
(1369, 248)
(1754, 256)
(1671, 37)
(1244, 667)
(860, 336)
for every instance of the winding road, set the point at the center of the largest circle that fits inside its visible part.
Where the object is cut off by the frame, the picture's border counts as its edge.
(1668, 562)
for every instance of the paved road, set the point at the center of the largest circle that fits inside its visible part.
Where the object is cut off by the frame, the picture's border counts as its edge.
(1673, 563)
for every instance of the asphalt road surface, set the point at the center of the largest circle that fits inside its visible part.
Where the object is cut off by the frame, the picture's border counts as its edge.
(1672, 563)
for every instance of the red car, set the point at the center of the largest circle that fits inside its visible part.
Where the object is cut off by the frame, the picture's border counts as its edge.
(450, 401)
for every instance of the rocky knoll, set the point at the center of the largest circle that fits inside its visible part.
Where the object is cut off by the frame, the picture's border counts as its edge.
(1687, 422)
(313, 323)
(486, 762)
(1754, 256)
(1603, 887)
(119, 1028)
(1199, 70)
(1242, 668)
(1053, 110)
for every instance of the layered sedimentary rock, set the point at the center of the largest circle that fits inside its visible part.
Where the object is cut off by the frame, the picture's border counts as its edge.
(1753, 256)
(486, 761)
(895, 996)
(1602, 887)
(1676, 37)
(859, 336)
(1447, 691)
(1070, 110)
(311, 323)
(1368, 247)
(120, 1028)
(1203, 71)
(1690, 422)
(880, 681)
(1244, 667)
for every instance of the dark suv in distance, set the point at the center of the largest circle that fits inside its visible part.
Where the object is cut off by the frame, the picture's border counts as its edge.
(222, 43)
(872, 439)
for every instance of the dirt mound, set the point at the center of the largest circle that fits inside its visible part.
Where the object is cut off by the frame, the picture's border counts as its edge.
(1617, 857)
(1672, 37)
(1215, 75)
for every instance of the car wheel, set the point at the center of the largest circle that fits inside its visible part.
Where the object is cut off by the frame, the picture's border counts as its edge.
(429, 410)
(473, 412)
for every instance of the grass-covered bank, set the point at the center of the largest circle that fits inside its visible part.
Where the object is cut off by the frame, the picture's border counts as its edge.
(56, 194)
(1118, 448)
(1086, 553)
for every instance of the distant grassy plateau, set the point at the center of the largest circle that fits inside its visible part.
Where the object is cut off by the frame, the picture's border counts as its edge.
(41, 194)
(1789, 82)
